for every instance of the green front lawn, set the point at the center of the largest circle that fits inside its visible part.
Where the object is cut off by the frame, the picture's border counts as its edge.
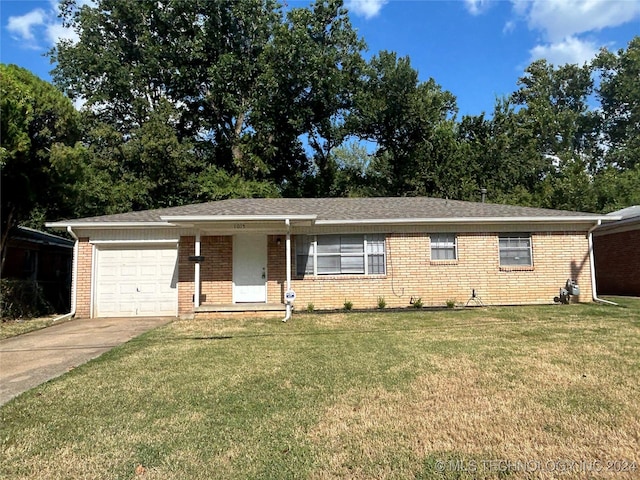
(13, 328)
(416, 394)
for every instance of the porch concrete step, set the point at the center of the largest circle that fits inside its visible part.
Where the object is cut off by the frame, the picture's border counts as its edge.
(241, 307)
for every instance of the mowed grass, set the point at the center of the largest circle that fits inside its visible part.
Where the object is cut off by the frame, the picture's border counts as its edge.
(477, 393)
(13, 328)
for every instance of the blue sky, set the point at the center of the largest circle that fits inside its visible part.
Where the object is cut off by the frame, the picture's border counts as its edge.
(476, 49)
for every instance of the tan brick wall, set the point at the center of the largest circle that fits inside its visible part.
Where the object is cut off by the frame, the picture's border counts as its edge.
(276, 268)
(410, 273)
(557, 256)
(85, 262)
(617, 260)
(216, 280)
(186, 247)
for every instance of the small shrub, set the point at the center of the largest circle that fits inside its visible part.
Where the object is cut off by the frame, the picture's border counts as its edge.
(310, 307)
(381, 303)
(22, 299)
(348, 305)
(451, 303)
(417, 303)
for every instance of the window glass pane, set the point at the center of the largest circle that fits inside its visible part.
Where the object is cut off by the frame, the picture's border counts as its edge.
(515, 249)
(352, 244)
(376, 264)
(375, 244)
(328, 243)
(328, 265)
(304, 254)
(443, 246)
(352, 264)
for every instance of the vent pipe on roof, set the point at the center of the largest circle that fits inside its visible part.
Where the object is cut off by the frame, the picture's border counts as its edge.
(483, 193)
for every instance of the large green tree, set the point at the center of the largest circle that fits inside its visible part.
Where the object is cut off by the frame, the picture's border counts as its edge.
(241, 86)
(403, 117)
(40, 159)
(619, 95)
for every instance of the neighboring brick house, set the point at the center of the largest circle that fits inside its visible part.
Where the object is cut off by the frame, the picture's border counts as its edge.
(232, 255)
(617, 254)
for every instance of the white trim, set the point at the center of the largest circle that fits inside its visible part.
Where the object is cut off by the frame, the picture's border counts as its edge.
(288, 306)
(196, 273)
(567, 219)
(93, 290)
(97, 225)
(167, 220)
(234, 218)
(171, 241)
(592, 266)
(74, 273)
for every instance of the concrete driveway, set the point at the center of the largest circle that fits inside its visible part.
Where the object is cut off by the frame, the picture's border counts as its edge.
(28, 360)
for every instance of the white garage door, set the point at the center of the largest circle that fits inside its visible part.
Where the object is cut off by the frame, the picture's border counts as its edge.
(136, 282)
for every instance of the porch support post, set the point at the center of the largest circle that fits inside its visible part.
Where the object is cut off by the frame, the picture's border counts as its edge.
(288, 262)
(288, 253)
(196, 286)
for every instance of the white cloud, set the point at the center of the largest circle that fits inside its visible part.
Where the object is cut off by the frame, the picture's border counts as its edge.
(509, 27)
(559, 19)
(22, 27)
(569, 50)
(56, 32)
(366, 8)
(40, 26)
(476, 7)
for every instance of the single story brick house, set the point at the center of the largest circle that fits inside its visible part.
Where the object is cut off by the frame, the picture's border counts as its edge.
(617, 254)
(245, 254)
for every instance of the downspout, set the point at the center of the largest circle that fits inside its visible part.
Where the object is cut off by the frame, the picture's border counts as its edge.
(593, 267)
(196, 285)
(74, 278)
(288, 263)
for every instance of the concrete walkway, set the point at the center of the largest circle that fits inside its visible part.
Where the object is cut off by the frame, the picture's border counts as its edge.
(29, 360)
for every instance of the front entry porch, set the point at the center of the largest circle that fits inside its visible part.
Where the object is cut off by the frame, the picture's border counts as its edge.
(234, 268)
(241, 308)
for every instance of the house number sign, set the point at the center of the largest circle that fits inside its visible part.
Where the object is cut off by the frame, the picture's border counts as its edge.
(239, 226)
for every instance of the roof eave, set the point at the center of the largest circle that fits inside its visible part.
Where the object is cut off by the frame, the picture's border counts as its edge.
(64, 225)
(468, 220)
(236, 218)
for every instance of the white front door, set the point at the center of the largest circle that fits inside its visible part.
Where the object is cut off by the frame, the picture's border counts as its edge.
(250, 268)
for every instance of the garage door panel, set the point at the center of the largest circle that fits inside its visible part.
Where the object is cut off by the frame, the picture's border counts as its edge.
(136, 282)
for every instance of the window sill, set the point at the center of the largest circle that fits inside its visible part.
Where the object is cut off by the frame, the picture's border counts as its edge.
(443, 262)
(340, 277)
(516, 268)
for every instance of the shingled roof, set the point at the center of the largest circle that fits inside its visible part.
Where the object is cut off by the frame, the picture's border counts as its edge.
(327, 210)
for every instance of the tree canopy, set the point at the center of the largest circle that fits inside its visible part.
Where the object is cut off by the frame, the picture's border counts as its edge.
(188, 101)
(40, 159)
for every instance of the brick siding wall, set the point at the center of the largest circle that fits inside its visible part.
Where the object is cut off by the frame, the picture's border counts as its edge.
(557, 256)
(85, 262)
(410, 273)
(617, 263)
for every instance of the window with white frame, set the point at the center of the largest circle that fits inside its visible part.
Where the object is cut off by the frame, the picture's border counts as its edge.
(444, 246)
(515, 250)
(340, 254)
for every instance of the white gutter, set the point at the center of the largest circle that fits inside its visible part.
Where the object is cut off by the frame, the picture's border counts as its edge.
(567, 219)
(74, 279)
(235, 218)
(593, 267)
(287, 222)
(107, 224)
(167, 221)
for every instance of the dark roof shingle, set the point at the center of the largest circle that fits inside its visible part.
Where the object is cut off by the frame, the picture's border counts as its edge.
(340, 209)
